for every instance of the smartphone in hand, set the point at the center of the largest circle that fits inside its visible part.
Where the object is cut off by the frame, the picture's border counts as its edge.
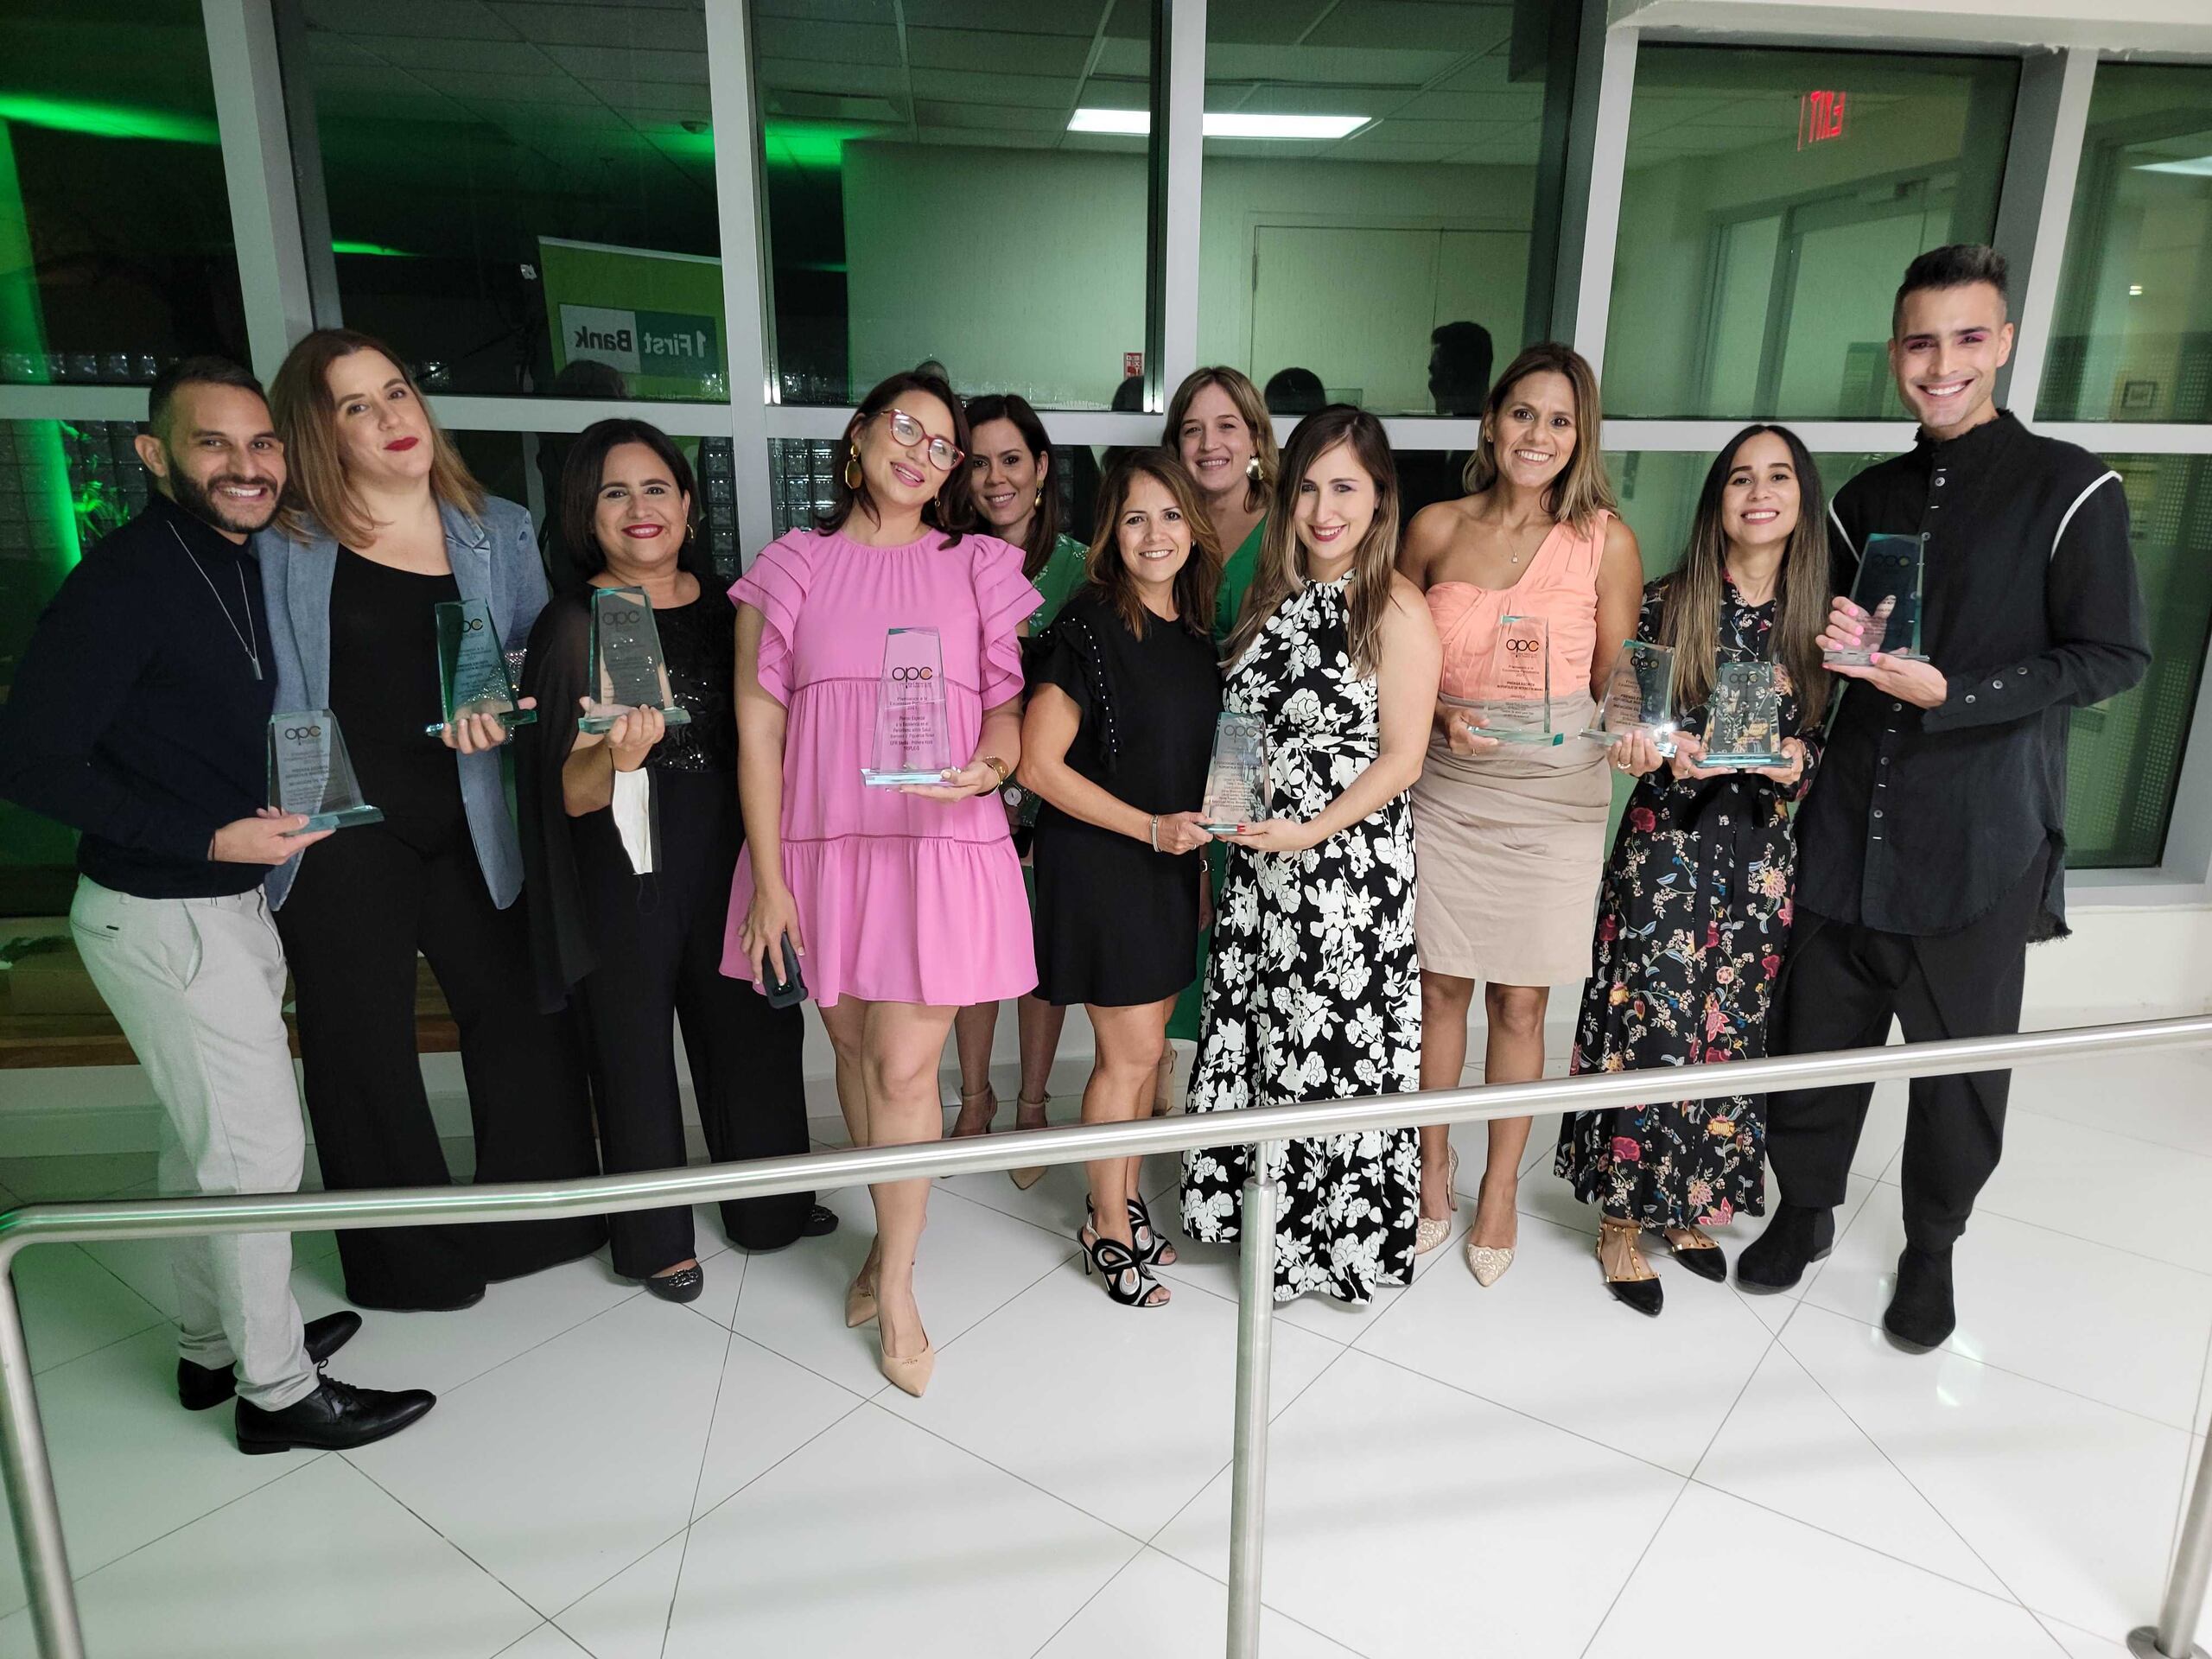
(791, 989)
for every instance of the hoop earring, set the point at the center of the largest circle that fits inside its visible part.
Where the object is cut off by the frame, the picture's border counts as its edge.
(853, 468)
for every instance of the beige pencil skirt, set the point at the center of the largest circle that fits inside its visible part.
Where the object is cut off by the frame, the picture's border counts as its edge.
(1509, 848)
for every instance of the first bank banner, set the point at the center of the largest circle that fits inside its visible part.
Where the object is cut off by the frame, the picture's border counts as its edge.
(655, 319)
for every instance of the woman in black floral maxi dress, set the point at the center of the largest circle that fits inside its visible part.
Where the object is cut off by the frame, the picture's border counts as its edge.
(1313, 989)
(1692, 918)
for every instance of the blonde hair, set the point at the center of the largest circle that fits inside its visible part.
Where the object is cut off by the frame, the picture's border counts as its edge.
(1253, 408)
(317, 490)
(1280, 571)
(1581, 491)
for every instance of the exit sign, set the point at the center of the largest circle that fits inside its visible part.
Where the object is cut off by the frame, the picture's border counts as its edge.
(1820, 117)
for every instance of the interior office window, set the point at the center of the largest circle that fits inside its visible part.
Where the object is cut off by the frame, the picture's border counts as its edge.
(2133, 337)
(1658, 490)
(115, 228)
(1375, 173)
(1772, 201)
(525, 468)
(519, 198)
(963, 185)
(2126, 759)
(63, 486)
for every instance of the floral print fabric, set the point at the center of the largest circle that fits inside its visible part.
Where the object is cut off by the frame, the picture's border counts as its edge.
(1692, 918)
(1313, 989)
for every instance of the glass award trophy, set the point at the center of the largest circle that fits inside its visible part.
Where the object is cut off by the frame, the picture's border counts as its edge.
(473, 673)
(627, 670)
(310, 774)
(1639, 698)
(1888, 590)
(913, 739)
(1236, 781)
(1743, 721)
(1522, 712)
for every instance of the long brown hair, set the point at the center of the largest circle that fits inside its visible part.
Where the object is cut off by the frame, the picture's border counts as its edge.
(1199, 579)
(1689, 619)
(952, 510)
(1253, 408)
(306, 413)
(1280, 570)
(1581, 491)
(1044, 521)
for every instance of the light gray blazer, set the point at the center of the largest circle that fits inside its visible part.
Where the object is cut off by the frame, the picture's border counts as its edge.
(494, 559)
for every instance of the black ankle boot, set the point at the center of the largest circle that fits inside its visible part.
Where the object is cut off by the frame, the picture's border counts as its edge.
(1921, 1314)
(336, 1417)
(1798, 1235)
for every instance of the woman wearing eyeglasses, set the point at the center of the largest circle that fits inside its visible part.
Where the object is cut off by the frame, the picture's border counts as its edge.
(904, 904)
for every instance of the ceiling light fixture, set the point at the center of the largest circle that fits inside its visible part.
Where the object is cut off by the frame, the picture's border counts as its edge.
(2196, 166)
(1137, 123)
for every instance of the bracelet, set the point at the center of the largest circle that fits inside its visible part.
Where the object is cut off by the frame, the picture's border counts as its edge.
(1155, 832)
(998, 766)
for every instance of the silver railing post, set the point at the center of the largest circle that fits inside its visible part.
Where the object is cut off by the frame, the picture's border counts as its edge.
(2174, 1637)
(1247, 1476)
(30, 1489)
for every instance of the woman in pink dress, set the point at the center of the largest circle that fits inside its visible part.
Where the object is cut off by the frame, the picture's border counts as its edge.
(904, 904)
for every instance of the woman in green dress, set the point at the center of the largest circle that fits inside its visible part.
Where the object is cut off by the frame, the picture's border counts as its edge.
(1018, 499)
(1218, 423)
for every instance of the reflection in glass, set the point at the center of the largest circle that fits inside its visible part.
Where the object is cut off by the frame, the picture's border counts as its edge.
(2133, 337)
(63, 486)
(1773, 199)
(115, 228)
(522, 202)
(1403, 262)
(933, 191)
(525, 468)
(1658, 495)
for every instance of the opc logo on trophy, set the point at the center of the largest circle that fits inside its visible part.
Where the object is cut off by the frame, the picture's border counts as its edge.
(297, 733)
(913, 673)
(1524, 645)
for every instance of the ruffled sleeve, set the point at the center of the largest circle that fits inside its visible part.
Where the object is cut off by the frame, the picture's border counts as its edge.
(1004, 600)
(1075, 663)
(776, 586)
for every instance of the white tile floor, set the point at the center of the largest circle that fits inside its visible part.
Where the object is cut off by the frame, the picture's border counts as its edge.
(1526, 1471)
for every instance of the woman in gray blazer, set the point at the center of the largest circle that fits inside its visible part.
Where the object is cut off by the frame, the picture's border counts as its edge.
(383, 522)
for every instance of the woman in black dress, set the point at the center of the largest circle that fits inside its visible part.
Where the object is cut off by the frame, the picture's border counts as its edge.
(1694, 910)
(629, 837)
(1115, 741)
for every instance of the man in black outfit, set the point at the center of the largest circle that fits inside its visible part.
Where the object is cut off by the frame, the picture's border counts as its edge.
(139, 717)
(1931, 849)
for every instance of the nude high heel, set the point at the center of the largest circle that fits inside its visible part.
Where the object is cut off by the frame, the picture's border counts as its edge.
(860, 1296)
(909, 1376)
(1429, 1231)
(1023, 1111)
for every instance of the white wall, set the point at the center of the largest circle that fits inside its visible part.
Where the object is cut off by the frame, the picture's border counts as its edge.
(2141, 25)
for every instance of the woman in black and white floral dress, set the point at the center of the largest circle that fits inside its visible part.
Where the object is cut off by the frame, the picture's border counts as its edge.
(1313, 989)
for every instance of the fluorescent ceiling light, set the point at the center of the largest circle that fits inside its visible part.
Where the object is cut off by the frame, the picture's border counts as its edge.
(2199, 166)
(1136, 124)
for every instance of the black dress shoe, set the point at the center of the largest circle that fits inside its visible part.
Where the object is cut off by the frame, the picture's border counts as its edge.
(336, 1417)
(682, 1286)
(821, 1222)
(1797, 1236)
(1920, 1313)
(202, 1387)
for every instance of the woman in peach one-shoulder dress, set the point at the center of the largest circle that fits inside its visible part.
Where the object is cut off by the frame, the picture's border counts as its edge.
(904, 904)
(1509, 837)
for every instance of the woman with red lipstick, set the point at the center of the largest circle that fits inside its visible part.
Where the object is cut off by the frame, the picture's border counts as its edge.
(629, 838)
(1513, 834)
(1695, 907)
(902, 905)
(382, 523)
(1018, 497)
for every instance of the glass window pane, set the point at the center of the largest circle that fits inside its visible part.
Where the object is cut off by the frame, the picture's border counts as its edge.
(2126, 759)
(522, 198)
(1434, 202)
(525, 468)
(115, 226)
(1658, 496)
(1773, 199)
(2133, 337)
(63, 486)
(933, 192)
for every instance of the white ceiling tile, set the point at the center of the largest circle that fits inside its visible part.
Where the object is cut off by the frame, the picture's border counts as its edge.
(966, 86)
(1009, 53)
(602, 66)
(670, 29)
(820, 42)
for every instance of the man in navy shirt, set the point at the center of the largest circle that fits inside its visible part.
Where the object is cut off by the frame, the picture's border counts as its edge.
(1931, 848)
(139, 717)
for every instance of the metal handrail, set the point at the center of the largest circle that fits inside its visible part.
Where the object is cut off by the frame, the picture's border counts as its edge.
(29, 1477)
